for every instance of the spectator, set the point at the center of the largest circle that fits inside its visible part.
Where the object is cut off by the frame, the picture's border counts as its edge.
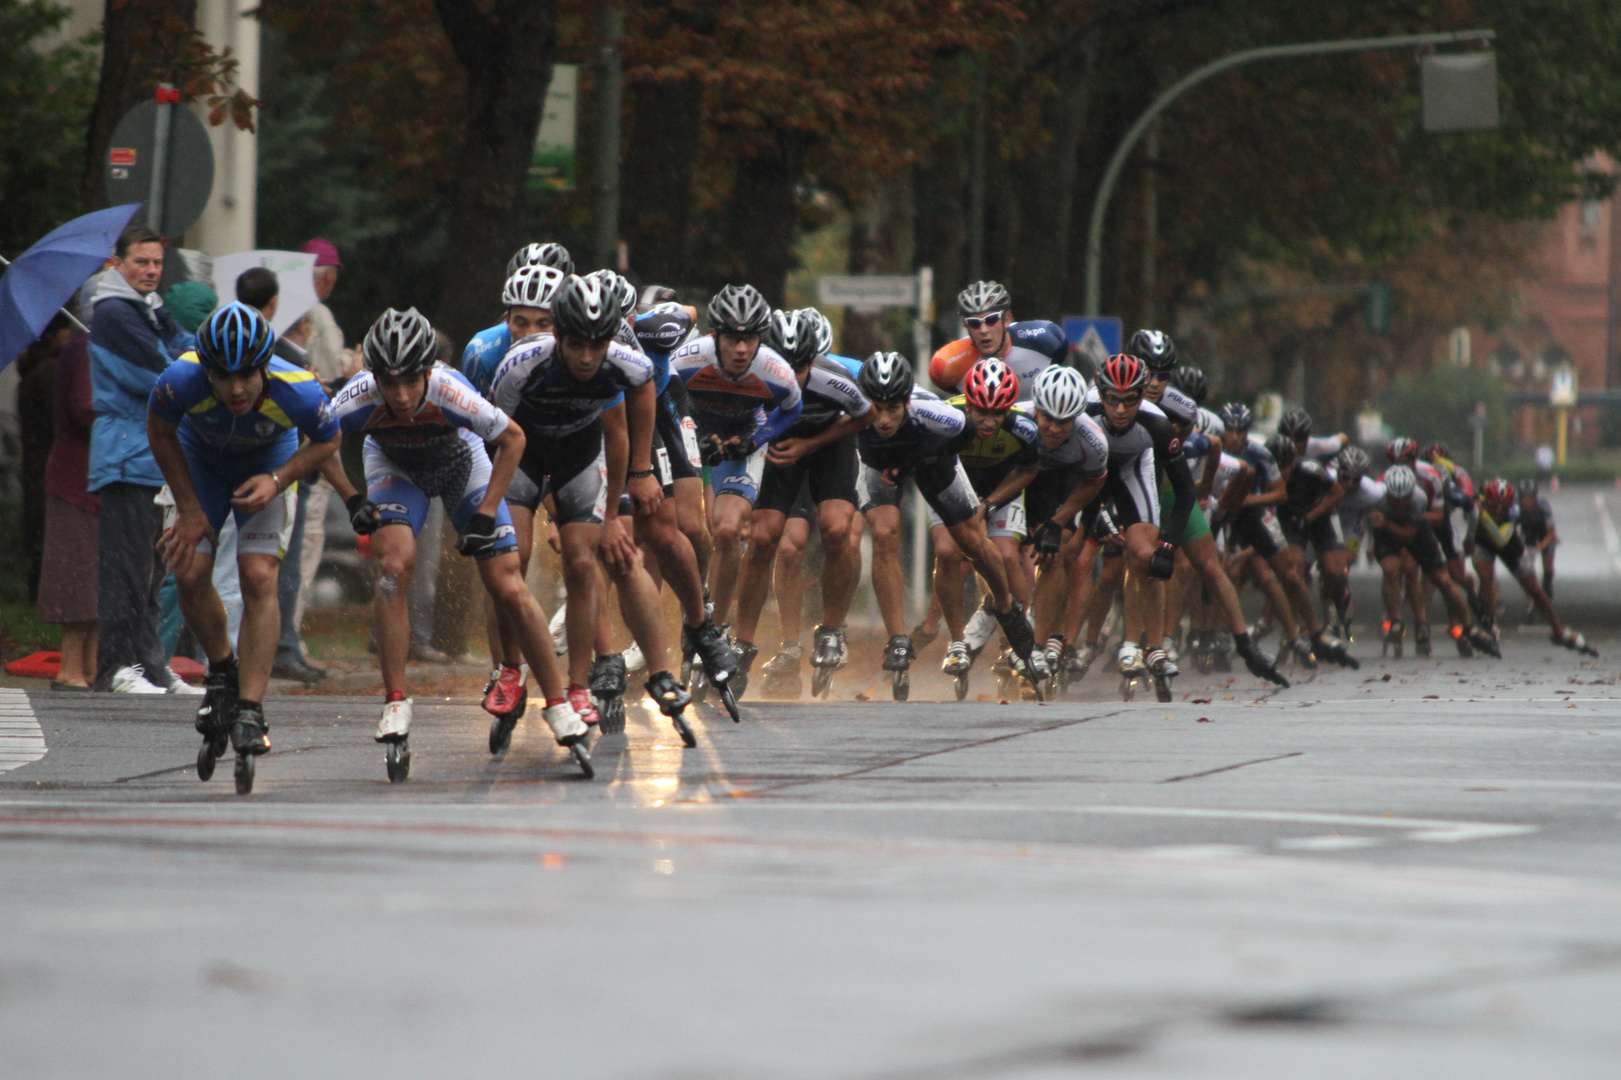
(132, 339)
(330, 361)
(258, 288)
(36, 371)
(189, 303)
(67, 588)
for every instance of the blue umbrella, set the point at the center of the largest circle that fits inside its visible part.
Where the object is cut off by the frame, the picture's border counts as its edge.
(36, 285)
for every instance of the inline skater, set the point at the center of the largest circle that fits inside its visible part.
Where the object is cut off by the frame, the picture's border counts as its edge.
(818, 451)
(488, 347)
(1296, 425)
(1400, 522)
(425, 429)
(1431, 481)
(1537, 530)
(1256, 526)
(986, 312)
(1316, 529)
(586, 404)
(744, 395)
(1459, 512)
(1497, 536)
(914, 435)
(223, 422)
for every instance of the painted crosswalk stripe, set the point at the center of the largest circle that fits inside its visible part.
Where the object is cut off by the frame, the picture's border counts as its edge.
(21, 740)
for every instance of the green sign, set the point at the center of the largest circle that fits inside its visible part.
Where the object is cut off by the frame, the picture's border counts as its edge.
(1377, 307)
(551, 167)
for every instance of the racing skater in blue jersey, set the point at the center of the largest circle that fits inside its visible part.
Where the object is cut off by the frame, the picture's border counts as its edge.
(426, 428)
(224, 424)
(743, 395)
(528, 311)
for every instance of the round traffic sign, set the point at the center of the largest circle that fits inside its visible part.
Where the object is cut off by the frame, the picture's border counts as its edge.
(188, 179)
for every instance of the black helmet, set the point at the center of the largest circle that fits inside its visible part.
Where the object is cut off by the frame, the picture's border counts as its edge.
(1191, 381)
(982, 297)
(554, 255)
(1282, 449)
(235, 340)
(400, 343)
(1154, 348)
(1296, 423)
(585, 308)
(653, 295)
(1352, 463)
(1236, 416)
(1529, 487)
(739, 309)
(661, 332)
(885, 376)
(793, 336)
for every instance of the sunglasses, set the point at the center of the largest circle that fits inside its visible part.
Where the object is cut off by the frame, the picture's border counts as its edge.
(1120, 402)
(993, 319)
(1160, 376)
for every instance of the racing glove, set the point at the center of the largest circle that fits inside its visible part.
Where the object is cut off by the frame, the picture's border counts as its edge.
(712, 454)
(1162, 563)
(738, 451)
(477, 541)
(1049, 536)
(363, 515)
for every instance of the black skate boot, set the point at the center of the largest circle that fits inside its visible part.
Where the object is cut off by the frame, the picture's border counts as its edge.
(672, 699)
(607, 684)
(1259, 664)
(220, 694)
(250, 736)
(780, 676)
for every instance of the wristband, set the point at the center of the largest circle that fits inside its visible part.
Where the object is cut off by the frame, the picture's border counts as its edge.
(637, 474)
(274, 479)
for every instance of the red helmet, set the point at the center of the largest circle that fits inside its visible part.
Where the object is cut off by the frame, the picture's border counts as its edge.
(991, 385)
(1122, 373)
(1498, 492)
(1437, 450)
(1402, 451)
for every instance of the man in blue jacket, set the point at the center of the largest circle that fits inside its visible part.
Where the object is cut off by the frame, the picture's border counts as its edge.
(132, 339)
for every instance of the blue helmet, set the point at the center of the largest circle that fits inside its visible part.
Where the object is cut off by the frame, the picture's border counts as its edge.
(235, 340)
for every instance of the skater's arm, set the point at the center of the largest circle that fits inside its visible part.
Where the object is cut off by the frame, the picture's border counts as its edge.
(333, 472)
(618, 548)
(1272, 496)
(786, 451)
(254, 495)
(509, 447)
(1212, 462)
(1079, 499)
(191, 524)
(1181, 480)
(1013, 483)
(641, 407)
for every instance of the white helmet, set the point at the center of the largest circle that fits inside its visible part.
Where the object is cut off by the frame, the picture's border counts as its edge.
(532, 286)
(823, 327)
(1399, 481)
(1060, 392)
(615, 285)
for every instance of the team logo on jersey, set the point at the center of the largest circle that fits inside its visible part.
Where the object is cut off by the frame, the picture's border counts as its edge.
(393, 508)
(1175, 447)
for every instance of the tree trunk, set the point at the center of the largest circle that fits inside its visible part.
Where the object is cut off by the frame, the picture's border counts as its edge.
(880, 243)
(762, 217)
(140, 39)
(657, 179)
(506, 48)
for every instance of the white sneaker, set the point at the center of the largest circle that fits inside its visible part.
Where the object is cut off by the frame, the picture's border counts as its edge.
(132, 680)
(559, 632)
(564, 721)
(396, 721)
(634, 660)
(980, 629)
(177, 685)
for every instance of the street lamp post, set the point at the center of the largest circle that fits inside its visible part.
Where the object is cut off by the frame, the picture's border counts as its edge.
(1100, 203)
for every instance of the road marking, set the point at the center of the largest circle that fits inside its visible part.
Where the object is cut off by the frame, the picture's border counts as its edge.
(1230, 768)
(1429, 830)
(1612, 538)
(1331, 842)
(21, 740)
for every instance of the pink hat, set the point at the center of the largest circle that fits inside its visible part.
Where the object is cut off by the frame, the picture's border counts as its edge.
(325, 252)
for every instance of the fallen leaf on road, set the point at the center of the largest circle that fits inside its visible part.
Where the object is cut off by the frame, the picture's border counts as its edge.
(1201, 701)
(1202, 720)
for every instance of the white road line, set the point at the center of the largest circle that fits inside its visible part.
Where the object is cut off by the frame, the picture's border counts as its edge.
(1612, 538)
(1424, 829)
(21, 740)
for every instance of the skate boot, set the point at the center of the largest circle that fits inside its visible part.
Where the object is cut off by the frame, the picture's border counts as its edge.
(709, 647)
(1133, 669)
(220, 694)
(394, 731)
(505, 698)
(980, 629)
(579, 699)
(1392, 632)
(672, 699)
(250, 737)
(1221, 652)
(1460, 638)
(608, 692)
(1264, 625)
(1575, 642)
(1038, 672)
(1330, 648)
(957, 664)
(781, 672)
(1421, 640)
(1482, 640)
(1161, 670)
(570, 730)
(1301, 647)
(559, 631)
(739, 681)
(1085, 658)
(831, 653)
(1021, 637)
(1259, 664)
(898, 657)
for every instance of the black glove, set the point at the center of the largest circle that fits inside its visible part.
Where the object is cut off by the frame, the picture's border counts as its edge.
(363, 514)
(711, 453)
(477, 541)
(1162, 563)
(1103, 525)
(738, 451)
(1048, 537)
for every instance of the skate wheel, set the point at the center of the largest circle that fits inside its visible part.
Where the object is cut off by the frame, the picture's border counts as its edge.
(205, 759)
(1128, 689)
(821, 681)
(699, 684)
(684, 729)
(729, 699)
(500, 735)
(582, 758)
(960, 685)
(397, 759)
(901, 685)
(611, 716)
(1162, 689)
(244, 774)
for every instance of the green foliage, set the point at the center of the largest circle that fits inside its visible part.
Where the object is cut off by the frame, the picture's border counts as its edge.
(1435, 406)
(45, 100)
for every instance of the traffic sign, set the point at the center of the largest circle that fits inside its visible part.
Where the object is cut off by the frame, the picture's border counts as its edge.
(551, 166)
(1562, 387)
(1096, 337)
(870, 291)
(188, 179)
